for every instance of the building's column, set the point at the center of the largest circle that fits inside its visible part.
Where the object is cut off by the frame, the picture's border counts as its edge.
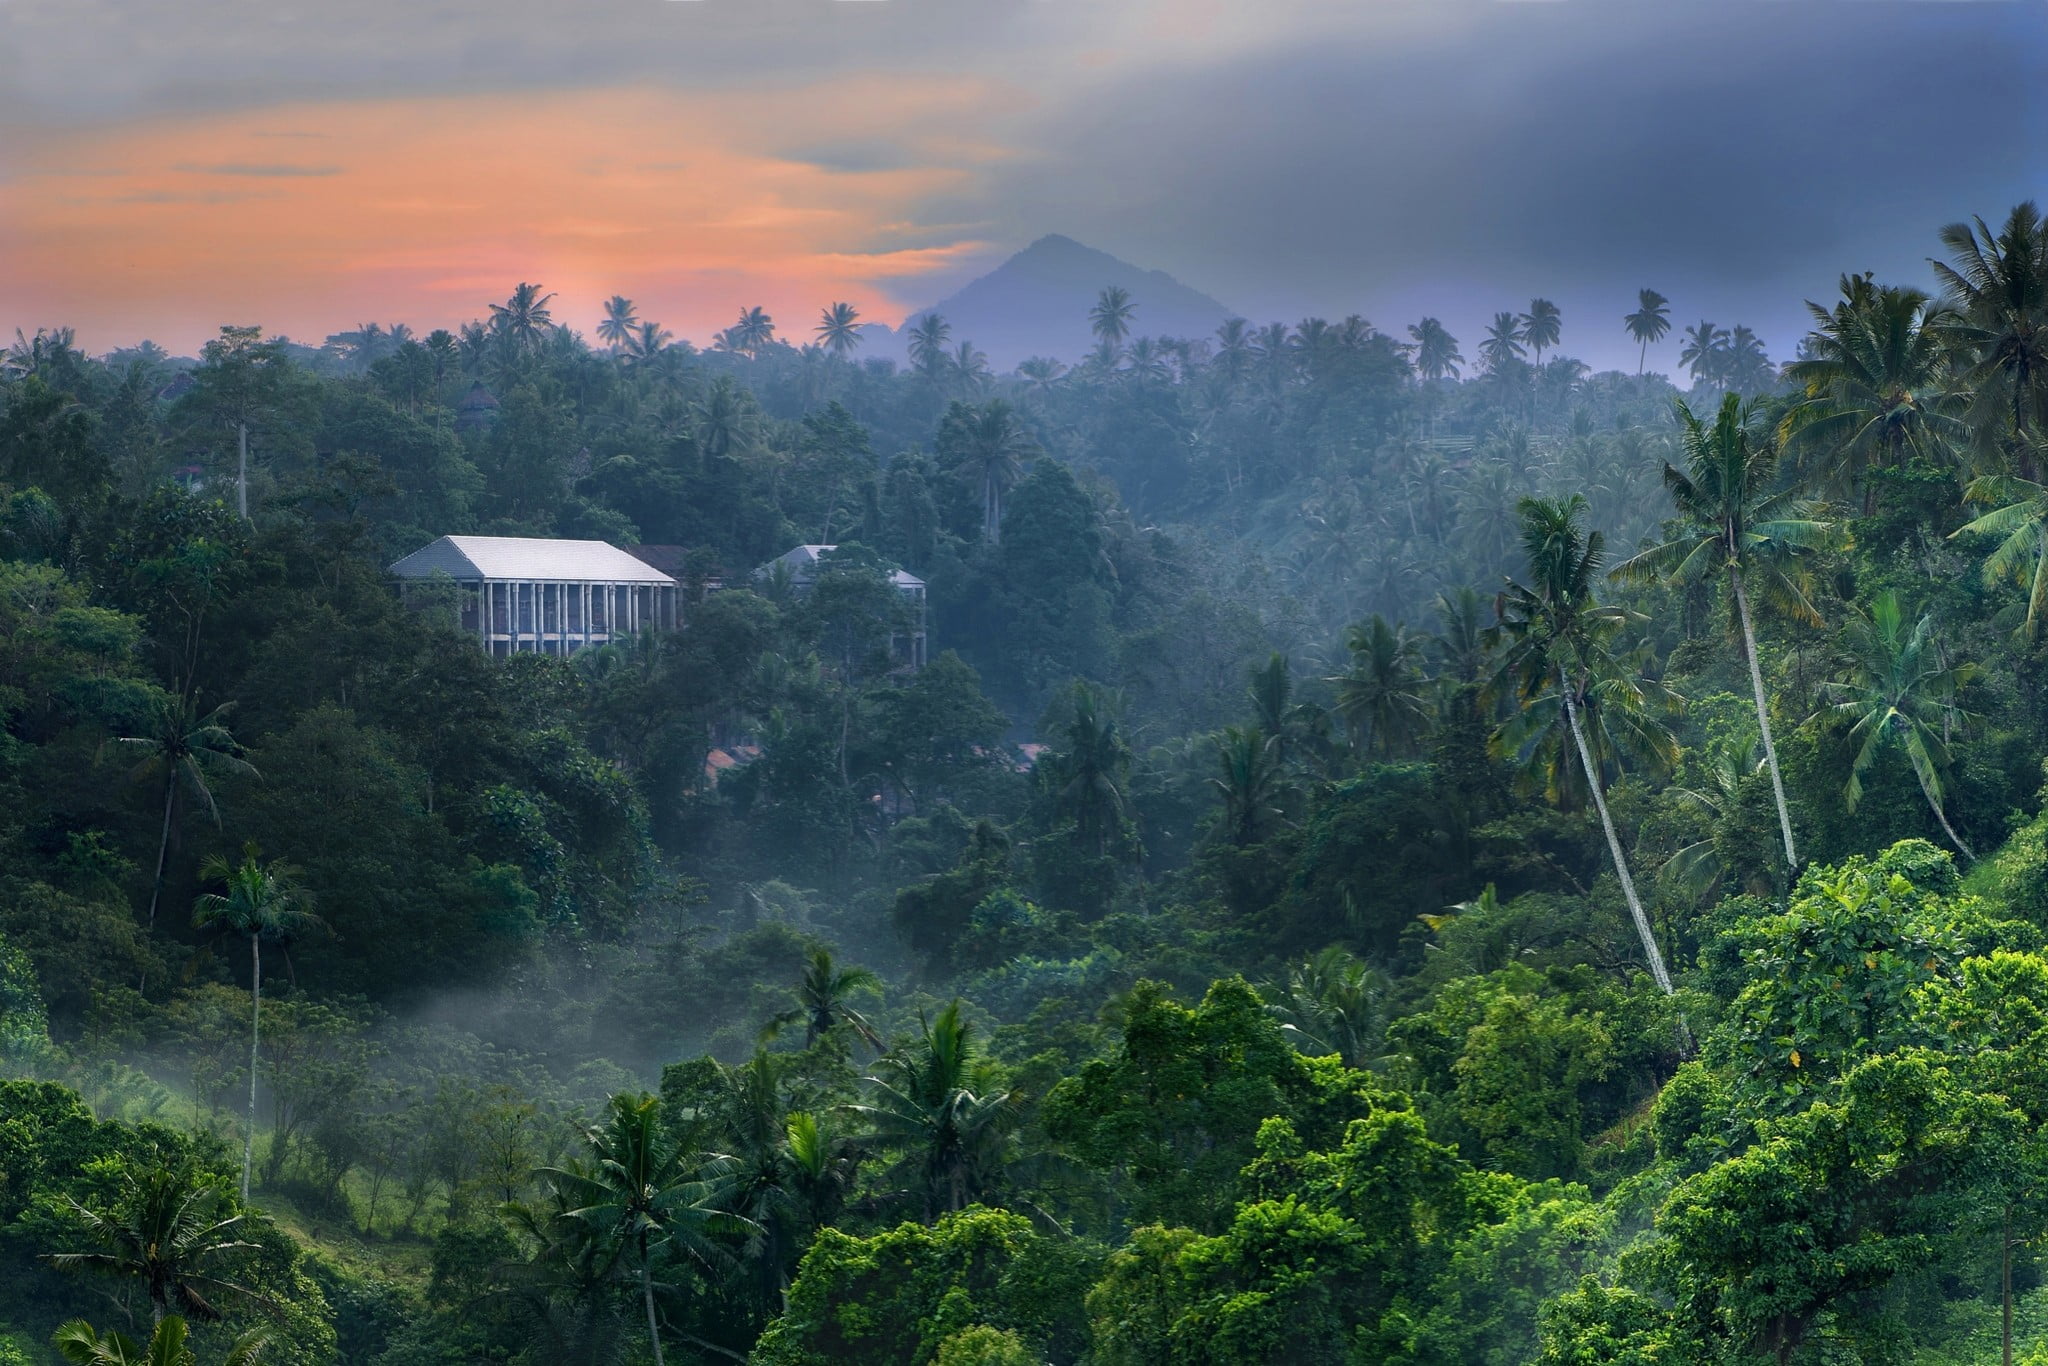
(585, 591)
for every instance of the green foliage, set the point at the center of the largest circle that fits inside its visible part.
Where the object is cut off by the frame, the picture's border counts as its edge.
(914, 1293)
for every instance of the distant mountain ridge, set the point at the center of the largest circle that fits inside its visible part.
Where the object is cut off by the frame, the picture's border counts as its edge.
(1036, 303)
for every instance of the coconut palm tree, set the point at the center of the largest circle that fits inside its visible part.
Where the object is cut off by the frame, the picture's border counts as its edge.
(1331, 1003)
(523, 319)
(1110, 319)
(184, 748)
(262, 901)
(1899, 692)
(644, 347)
(1559, 649)
(619, 324)
(1874, 384)
(168, 1345)
(1436, 350)
(168, 1231)
(1041, 374)
(944, 1109)
(1503, 342)
(1648, 324)
(1737, 522)
(839, 329)
(1745, 367)
(822, 1003)
(1704, 352)
(928, 353)
(994, 445)
(1542, 325)
(638, 1194)
(1086, 778)
(969, 368)
(1379, 696)
(1997, 285)
(1252, 780)
(2020, 521)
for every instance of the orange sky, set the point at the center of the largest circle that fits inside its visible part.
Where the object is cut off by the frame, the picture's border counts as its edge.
(312, 218)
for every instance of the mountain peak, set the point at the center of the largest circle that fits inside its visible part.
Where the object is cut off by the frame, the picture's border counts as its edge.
(1036, 303)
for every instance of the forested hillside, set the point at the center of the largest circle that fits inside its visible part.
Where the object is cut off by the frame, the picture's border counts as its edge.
(1405, 851)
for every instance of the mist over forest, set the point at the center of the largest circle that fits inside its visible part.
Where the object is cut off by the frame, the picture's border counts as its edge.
(662, 727)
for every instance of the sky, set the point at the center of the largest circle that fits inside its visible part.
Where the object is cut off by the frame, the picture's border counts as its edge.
(168, 168)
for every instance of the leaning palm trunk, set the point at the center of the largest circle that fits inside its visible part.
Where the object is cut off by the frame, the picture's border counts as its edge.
(1934, 805)
(1628, 885)
(1763, 719)
(255, 1033)
(163, 848)
(647, 1294)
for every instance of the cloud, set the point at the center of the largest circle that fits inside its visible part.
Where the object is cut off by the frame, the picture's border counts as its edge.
(265, 169)
(1294, 156)
(1733, 156)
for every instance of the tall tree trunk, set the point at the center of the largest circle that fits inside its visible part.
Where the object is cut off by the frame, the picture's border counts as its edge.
(1934, 805)
(163, 848)
(1628, 884)
(255, 1034)
(1763, 718)
(242, 470)
(2005, 1276)
(647, 1294)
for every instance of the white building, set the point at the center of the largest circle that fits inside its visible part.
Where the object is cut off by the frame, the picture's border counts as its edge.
(804, 563)
(524, 594)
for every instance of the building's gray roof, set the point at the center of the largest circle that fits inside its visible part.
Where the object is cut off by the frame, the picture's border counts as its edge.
(526, 557)
(803, 563)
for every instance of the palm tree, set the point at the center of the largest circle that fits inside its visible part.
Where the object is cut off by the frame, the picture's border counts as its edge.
(646, 344)
(639, 1194)
(1086, 779)
(1110, 319)
(1703, 352)
(754, 331)
(1331, 1003)
(1695, 872)
(525, 318)
(2021, 521)
(1503, 342)
(262, 901)
(1744, 365)
(839, 329)
(928, 354)
(1542, 325)
(1998, 284)
(822, 1002)
(1252, 781)
(1233, 350)
(1042, 373)
(944, 1108)
(1874, 383)
(1737, 523)
(994, 445)
(168, 1345)
(969, 367)
(184, 749)
(620, 322)
(1559, 645)
(1899, 692)
(1649, 323)
(1436, 350)
(165, 1231)
(1379, 696)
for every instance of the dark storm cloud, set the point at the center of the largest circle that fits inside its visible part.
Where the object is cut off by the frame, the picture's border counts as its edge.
(1734, 156)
